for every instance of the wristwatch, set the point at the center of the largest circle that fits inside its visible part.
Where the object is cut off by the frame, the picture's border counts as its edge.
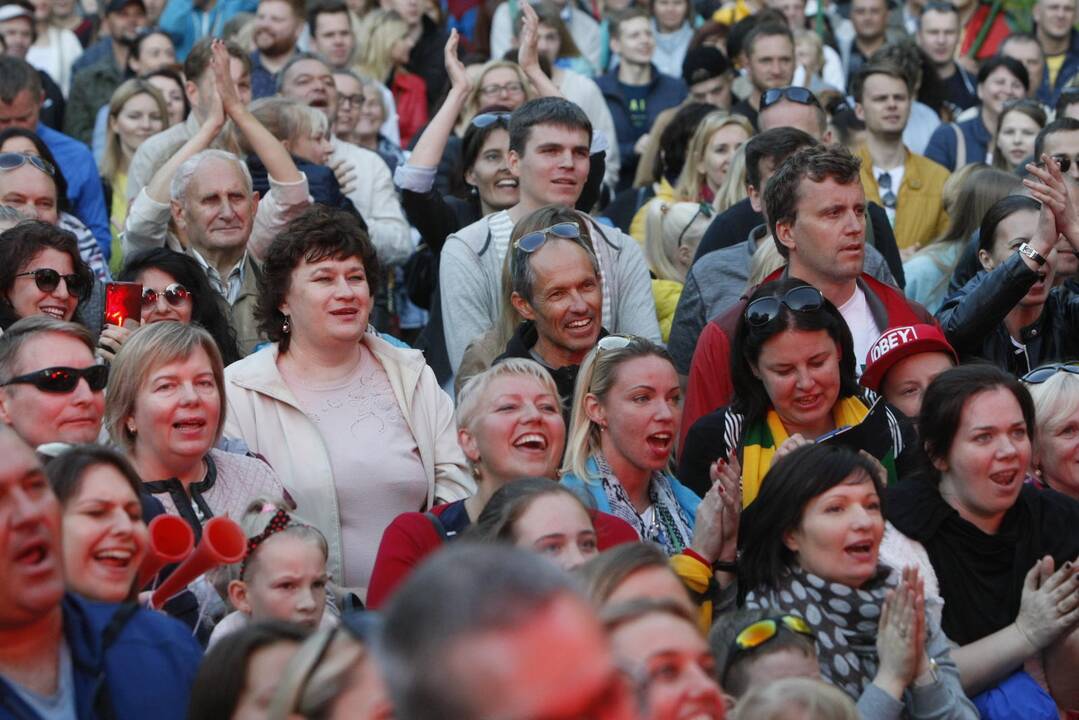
(930, 677)
(1027, 251)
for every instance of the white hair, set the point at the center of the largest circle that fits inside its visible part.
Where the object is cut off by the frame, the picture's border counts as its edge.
(186, 171)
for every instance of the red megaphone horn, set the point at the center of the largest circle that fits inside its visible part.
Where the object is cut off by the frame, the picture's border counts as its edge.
(223, 543)
(171, 540)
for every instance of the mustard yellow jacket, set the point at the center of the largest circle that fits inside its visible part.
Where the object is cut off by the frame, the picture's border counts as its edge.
(920, 215)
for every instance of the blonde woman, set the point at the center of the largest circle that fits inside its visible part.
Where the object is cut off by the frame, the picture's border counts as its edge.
(733, 189)
(708, 158)
(499, 83)
(672, 233)
(383, 56)
(137, 111)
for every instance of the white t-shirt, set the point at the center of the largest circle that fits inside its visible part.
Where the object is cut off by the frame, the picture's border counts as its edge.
(896, 174)
(863, 328)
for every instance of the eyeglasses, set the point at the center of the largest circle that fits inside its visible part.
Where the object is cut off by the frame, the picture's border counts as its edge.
(702, 209)
(884, 182)
(533, 241)
(762, 631)
(1039, 375)
(353, 100)
(175, 295)
(490, 118)
(764, 310)
(510, 88)
(1064, 161)
(48, 280)
(799, 95)
(61, 380)
(11, 161)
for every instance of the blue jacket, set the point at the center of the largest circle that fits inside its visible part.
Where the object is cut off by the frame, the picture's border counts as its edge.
(663, 92)
(943, 146)
(84, 191)
(1070, 68)
(187, 24)
(145, 672)
(687, 499)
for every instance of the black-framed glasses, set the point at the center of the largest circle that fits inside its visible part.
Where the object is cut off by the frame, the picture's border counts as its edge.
(762, 631)
(1064, 161)
(533, 241)
(61, 380)
(47, 280)
(510, 88)
(175, 295)
(702, 209)
(490, 118)
(764, 310)
(800, 95)
(13, 160)
(1040, 374)
(887, 196)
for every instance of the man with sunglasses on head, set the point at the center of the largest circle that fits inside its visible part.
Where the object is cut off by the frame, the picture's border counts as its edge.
(550, 140)
(769, 52)
(908, 185)
(51, 383)
(816, 212)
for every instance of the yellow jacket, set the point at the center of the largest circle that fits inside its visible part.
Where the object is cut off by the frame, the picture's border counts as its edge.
(920, 215)
(666, 294)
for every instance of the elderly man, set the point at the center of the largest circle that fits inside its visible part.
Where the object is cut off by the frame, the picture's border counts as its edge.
(309, 80)
(62, 656)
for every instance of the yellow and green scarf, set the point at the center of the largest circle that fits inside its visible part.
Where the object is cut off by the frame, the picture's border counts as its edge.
(761, 440)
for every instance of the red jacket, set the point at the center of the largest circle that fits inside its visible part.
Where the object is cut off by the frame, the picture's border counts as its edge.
(411, 537)
(410, 95)
(710, 385)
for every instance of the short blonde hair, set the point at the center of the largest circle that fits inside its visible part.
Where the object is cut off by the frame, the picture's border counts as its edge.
(795, 697)
(668, 227)
(1055, 400)
(472, 106)
(693, 172)
(472, 392)
(143, 353)
(287, 119)
(318, 673)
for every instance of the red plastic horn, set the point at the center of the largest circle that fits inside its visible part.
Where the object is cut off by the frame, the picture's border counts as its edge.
(223, 543)
(171, 540)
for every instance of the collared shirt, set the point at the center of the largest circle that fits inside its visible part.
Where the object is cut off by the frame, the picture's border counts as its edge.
(229, 287)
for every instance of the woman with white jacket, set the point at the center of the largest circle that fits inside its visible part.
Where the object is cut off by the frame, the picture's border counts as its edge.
(357, 429)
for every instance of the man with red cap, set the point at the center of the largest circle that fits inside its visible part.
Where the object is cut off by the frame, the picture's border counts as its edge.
(903, 361)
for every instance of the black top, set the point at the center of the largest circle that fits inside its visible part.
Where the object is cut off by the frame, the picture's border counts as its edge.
(971, 566)
(743, 108)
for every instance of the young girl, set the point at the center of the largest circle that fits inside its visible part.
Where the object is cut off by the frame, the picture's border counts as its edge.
(282, 576)
(673, 231)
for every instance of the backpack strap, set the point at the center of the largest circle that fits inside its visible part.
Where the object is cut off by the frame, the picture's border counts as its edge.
(436, 523)
(960, 147)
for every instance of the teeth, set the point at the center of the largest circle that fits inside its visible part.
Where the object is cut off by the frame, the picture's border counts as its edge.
(114, 555)
(53, 312)
(580, 323)
(531, 439)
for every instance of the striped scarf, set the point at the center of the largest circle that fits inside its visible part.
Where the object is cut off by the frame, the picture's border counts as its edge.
(761, 440)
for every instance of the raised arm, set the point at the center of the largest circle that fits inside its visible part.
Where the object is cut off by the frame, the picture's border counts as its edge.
(432, 143)
(528, 53)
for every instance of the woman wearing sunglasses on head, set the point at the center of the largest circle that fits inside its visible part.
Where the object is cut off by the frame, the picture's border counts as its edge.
(41, 273)
(755, 647)
(810, 544)
(1003, 551)
(174, 287)
(792, 365)
(1055, 392)
(1012, 315)
(626, 410)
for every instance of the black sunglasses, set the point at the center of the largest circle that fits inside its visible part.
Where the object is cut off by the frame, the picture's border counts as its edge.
(764, 310)
(64, 379)
(533, 241)
(48, 280)
(1064, 161)
(702, 209)
(799, 95)
(490, 118)
(175, 295)
(11, 161)
(1039, 375)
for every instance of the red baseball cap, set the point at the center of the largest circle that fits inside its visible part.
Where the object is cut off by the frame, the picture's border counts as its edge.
(900, 342)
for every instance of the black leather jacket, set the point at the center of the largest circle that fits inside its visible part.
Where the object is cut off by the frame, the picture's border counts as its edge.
(973, 320)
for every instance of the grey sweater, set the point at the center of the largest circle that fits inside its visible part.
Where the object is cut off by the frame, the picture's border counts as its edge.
(470, 286)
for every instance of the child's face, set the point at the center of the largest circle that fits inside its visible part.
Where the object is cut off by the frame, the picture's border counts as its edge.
(288, 582)
(314, 147)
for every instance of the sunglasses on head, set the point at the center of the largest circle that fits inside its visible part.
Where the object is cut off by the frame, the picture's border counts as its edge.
(175, 295)
(764, 310)
(11, 161)
(533, 241)
(762, 631)
(48, 280)
(799, 95)
(702, 209)
(1039, 375)
(614, 342)
(490, 118)
(64, 379)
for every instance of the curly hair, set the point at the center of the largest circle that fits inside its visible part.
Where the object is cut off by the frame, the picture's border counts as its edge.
(320, 233)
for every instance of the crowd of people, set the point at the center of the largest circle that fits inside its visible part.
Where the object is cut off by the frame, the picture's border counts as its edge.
(539, 360)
